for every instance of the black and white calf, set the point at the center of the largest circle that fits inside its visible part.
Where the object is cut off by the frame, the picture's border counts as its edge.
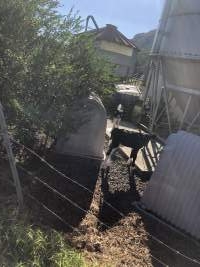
(126, 138)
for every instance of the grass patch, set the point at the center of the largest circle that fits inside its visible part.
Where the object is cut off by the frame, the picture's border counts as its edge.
(25, 245)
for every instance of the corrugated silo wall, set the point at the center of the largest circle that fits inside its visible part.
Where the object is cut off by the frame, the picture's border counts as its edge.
(176, 52)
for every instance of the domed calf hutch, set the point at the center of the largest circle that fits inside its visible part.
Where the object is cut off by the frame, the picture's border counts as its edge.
(79, 153)
(89, 125)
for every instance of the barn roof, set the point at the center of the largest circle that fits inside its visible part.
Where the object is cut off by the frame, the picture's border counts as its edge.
(110, 33)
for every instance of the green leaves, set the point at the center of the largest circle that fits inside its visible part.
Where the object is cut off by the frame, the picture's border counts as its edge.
(45, 66)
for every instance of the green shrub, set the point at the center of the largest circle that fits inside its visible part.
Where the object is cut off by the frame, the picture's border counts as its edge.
(45, 66)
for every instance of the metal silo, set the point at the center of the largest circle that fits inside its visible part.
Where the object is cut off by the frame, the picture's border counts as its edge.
(173, 84)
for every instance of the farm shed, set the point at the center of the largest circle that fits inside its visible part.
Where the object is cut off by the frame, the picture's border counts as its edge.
(174, 189)
(117, 48)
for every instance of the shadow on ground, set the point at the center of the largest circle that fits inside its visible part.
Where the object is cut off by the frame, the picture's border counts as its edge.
(123, 201)
(181, 243)
(82, 171)
(120, 199)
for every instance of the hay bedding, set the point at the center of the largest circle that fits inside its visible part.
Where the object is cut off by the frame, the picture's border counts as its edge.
(126, 242)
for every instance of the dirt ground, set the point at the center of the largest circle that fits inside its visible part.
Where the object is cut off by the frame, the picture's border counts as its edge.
(124, 241)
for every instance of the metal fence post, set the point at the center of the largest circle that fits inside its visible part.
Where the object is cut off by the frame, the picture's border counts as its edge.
(7, 144)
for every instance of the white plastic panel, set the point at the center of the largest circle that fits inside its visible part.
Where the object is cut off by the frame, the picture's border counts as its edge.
(88, 139)
(173, 192)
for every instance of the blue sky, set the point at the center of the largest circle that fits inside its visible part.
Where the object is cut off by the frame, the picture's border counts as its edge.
(130, 16)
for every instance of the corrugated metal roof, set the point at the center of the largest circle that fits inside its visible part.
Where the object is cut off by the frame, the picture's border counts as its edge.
(111, 34)
(173, 192)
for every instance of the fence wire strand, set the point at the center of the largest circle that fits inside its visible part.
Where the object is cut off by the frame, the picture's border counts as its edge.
(76, 205)
(159, 261)
(53, 213)
(42, 205)
(73, 203)
(62, 220)
(65, 176)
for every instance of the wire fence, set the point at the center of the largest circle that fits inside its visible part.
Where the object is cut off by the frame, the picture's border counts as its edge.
(42, 205)
(159, 261)
(65, 176)
(63, 221)
(177, 252)
(53, 213)
(73, 203)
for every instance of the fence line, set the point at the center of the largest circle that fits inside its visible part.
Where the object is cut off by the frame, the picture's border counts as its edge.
(42, 205)
(76, 205)
(159, 261)
(63, 196)
(53, 213)
(63, 175)
(139, 207)
(63, 221)
(75, 229)
(177, 252)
